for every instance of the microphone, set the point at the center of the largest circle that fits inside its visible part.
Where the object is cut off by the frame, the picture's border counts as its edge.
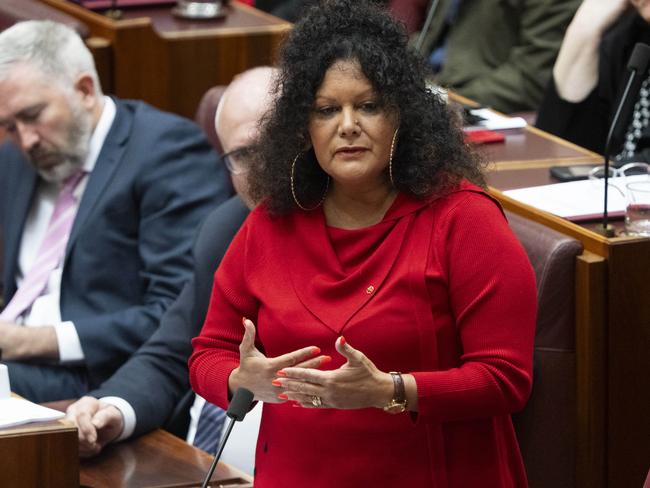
(237, 410)
(637, 64)
(427, 24)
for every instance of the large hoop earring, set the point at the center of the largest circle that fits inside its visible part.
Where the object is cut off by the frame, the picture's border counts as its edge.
(293, 188)
(390, 159)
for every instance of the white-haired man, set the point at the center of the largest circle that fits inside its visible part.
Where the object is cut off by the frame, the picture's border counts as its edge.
(99, 199)
(151, 388)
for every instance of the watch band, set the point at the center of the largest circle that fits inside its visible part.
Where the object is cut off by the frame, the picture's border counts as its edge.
(400, 392)
(398, 402)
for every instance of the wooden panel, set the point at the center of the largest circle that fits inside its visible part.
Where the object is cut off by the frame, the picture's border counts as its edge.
(590, 370)
(42, 455)
(628, 352)
(171, 62)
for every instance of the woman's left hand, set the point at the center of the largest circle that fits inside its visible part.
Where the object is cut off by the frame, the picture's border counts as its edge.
(356, 384)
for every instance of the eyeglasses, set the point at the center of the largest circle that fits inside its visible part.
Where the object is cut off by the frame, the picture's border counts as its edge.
(629, 169)
(238, 161)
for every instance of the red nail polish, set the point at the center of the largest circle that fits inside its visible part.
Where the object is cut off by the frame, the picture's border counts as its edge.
(325, 359)
(281, 373)
(282, 396)
(276, 383)
(316, 351)
(243, 320)
(296, 405)
(343, 342)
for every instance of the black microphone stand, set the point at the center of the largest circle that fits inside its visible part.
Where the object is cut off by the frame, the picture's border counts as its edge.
(237, 410)
(222, 444)
(638, 63)
(607, 230)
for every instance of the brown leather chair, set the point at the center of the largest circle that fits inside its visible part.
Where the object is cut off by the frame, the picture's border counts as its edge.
(206, 112)
(546, 427)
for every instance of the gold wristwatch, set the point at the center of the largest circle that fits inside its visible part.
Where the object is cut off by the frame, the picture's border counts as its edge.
(398, 402)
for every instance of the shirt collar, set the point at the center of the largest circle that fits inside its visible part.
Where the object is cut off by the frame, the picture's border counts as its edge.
(99, 134)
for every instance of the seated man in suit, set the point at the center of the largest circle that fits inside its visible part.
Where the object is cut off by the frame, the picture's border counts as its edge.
(496, 52)
(99, 200)
(145, 392)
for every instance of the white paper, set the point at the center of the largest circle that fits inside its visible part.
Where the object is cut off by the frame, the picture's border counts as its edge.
(16, 411)
(5, 390)
(495, 121)
(577, 200)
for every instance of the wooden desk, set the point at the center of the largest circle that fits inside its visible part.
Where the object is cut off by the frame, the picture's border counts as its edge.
(34, 455)
(157, 459)
(171, 62)
(612, 329)
(46, 455)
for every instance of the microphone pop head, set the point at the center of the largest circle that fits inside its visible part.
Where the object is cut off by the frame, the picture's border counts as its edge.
(639, 58)
(240, 404)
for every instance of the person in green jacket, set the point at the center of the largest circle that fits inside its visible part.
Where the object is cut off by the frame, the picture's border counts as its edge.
(499, 53)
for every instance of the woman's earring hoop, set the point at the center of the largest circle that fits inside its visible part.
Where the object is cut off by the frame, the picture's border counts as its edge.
(390, 159)
(293, 188)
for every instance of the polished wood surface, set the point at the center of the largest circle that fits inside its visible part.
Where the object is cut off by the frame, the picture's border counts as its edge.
(530, 147)
(171, 62)
(41, 454)
(157, 459)
(612, 325)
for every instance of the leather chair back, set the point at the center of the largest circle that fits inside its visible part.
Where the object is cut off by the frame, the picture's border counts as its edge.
(546, 427)
(206, 112)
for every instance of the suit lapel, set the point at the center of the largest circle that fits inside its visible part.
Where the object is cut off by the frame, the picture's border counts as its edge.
(107, 162)
(25, 187)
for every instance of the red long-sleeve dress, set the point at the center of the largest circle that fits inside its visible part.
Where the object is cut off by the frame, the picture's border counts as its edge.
(440, 289)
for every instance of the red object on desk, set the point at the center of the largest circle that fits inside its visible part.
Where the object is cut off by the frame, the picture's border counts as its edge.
(483, 137)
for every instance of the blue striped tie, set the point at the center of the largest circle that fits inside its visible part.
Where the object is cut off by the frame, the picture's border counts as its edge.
(208, 430)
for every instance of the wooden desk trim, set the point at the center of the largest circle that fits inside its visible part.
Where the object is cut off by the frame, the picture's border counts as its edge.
(591, 370)
(61, 425)
(591, 241)
(540, 163)
(87, 15)
(563, 142)
(91, 17)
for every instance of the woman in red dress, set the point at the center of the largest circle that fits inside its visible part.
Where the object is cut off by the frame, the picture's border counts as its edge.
(383, 292)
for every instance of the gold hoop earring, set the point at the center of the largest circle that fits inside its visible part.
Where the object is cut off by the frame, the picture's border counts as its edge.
(390, 159)
(293, 188)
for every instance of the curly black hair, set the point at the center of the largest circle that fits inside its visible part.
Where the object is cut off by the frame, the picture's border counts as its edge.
(430, 155)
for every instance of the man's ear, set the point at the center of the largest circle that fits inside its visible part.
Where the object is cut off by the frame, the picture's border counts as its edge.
(85, 87)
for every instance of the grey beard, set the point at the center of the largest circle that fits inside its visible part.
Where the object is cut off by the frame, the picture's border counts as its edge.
(76, 151)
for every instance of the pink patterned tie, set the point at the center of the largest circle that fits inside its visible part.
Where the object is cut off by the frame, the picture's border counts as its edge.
(50, 253)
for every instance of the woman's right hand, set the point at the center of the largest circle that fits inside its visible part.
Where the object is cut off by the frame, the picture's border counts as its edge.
(256, 371)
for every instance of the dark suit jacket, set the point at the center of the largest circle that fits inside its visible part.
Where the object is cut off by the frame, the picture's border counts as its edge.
(155, 379)
(129, 252)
